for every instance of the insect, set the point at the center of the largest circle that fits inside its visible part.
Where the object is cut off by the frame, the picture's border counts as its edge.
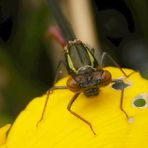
(86, 74)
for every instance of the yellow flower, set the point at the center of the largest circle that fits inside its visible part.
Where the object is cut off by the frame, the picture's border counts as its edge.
(60, 129)
(3, 133)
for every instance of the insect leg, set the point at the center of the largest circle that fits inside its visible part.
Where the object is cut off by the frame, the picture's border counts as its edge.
(75, 114)
(47, 98)
(121, 100)
(114, 62)
(51, 89)
(57, 70)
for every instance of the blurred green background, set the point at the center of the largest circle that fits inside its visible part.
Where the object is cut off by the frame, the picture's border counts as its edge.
(25, 67)
(26, 54)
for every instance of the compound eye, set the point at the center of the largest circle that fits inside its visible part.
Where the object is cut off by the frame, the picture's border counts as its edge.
(106, 78)
(73, 85)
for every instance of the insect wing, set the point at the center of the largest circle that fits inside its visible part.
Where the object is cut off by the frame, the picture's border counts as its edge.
(78, 55)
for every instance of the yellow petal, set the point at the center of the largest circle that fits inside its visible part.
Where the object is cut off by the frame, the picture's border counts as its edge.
(3, 133)
(60, 129)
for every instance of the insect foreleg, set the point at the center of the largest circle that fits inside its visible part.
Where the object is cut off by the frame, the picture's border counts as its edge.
(47, 98)
(75, 114)
(51, 89)
(57, 70)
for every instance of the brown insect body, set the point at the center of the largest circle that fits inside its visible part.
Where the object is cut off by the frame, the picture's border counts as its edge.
(89, 80)
(85, 74)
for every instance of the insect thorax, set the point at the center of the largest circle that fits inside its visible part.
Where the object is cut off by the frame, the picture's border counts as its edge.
(89, 80)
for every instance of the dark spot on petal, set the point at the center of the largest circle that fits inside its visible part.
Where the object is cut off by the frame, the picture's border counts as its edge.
(119, 85)
(140, 102)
